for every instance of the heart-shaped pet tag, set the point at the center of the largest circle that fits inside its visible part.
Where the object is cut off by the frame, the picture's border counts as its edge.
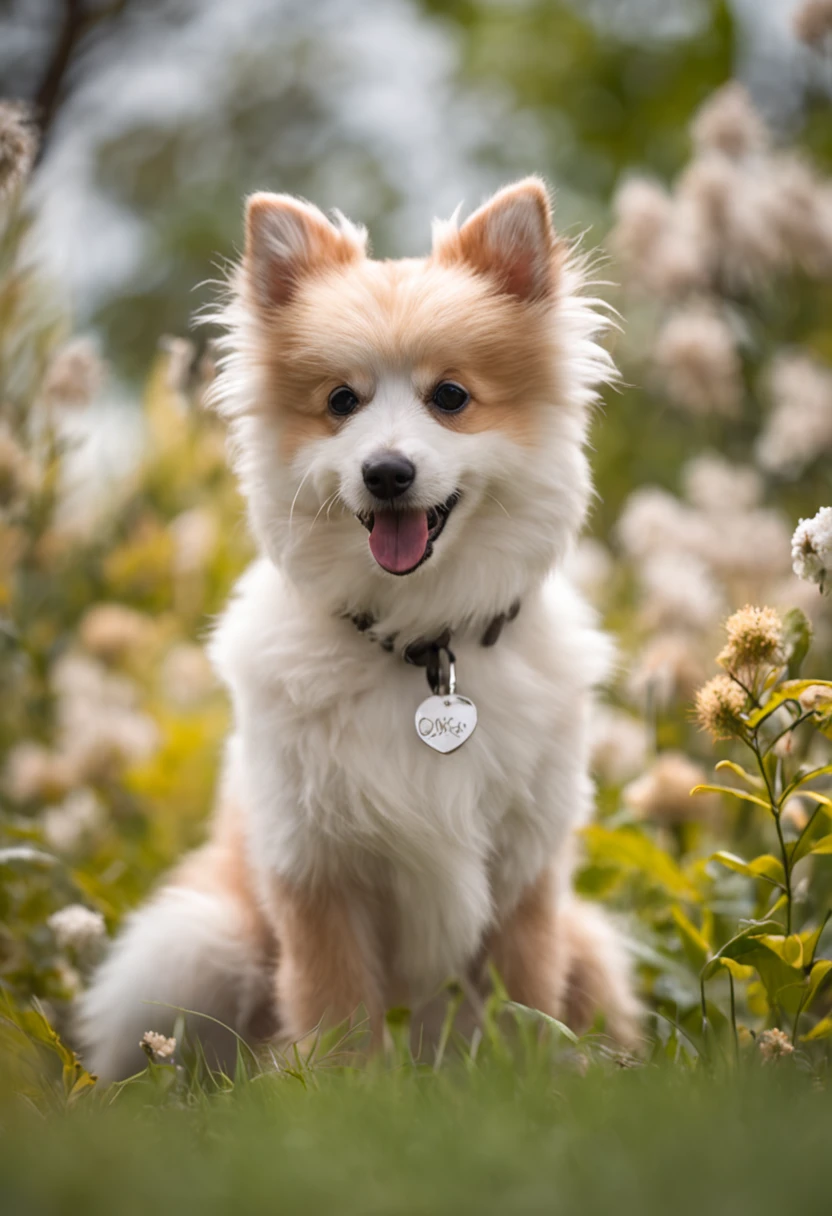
(445, 723)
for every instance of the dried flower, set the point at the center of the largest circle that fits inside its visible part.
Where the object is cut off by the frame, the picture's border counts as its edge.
(679, 591)
(812, 21)
(110, 631)
(157, 1046)
(812, 548)
(619, 745)
(799, 428)
(77, 928)
(698, 363)
(817, 697)
(100, 727)
(642, 209)
(668, 668)
(755, 636)
(663, 792)
(728, 122)
(33, 771)
(18, 147)
(774, 1044)
(187, 676)
(68, 826)
(715, 485)
(653, 520)
(74, 376)
(720, 705)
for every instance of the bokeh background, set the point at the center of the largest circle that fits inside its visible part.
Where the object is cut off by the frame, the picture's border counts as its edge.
(690, 141)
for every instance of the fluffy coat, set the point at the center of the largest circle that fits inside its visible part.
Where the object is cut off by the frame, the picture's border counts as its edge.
(349, 864)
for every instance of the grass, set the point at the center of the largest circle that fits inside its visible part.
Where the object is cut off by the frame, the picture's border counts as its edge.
(492, 1139)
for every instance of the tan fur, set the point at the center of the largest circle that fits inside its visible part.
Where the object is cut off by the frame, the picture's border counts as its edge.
(329, 959)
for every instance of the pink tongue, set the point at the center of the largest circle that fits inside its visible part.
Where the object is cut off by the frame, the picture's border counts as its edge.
(399, 539)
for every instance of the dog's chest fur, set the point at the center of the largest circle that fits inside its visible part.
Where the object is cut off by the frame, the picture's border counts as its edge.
(339, 788)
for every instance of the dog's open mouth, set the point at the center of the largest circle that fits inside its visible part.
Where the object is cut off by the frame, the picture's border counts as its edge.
(401, 539)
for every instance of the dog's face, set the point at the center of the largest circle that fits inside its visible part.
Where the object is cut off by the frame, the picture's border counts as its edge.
(412, 430)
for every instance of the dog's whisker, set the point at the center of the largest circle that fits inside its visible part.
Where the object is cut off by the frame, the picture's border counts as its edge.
(327, 502)
(499, 504)
(294, 500)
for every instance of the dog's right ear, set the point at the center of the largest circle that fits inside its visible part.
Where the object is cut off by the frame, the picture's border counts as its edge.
(288, 239)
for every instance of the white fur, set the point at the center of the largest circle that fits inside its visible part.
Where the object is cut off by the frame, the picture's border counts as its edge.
(333, 779)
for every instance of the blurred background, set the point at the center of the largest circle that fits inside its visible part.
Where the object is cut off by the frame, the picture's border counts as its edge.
(689, 140)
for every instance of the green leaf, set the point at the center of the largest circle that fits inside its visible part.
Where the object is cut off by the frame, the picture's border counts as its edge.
(797, 635)
(821, 799)
(740, 971)
(811, 937)
(807, 848)
(537, 1015)
(790, 690)
(632, 849)
(696, 946)
(735, 793)
(767, 866)
(741, 945)
(816, 977)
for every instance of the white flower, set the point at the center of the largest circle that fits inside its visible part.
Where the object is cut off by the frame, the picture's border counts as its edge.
(77, 928)
(713, 484)
(697, 360)
(679, 592)
(663, 792)
(812, 548)
(799, 428)
(66, 827)
(187, 676)
(157, 1046)
(75, 375)
(619, 745)
(728, 122)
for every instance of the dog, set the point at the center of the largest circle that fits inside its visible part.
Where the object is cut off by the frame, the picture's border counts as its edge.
(410, 670)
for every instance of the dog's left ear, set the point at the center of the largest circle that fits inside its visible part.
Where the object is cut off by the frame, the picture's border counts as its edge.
(510, 238)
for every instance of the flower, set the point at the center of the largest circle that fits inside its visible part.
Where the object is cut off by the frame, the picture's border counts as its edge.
(195, 533)
(619, 745)
(719, 707)
(157, 1046)
(77, 928)
(187, 676)
(774, 1044)
(74, 376)
(697, 361)
(643, 209)
(755, 636)
(663, 792)
(668, 667)
(33, 771)
(110, 631)
(799, 428)
(18, 147)
(728, 122)
(679, 591)
(816, 698)
(812, 21)
(714, 484)
(68, 826)
(812, 548)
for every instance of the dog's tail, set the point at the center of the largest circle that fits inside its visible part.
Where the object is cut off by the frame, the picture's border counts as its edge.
(200, 944)
(599, 974)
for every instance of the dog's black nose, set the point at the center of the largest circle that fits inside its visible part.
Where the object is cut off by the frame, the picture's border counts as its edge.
(389, 475)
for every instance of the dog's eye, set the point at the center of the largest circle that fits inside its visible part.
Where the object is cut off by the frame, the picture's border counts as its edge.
(450, 397)
(342, 401)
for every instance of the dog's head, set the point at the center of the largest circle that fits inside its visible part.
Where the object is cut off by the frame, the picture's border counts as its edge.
(410, 433)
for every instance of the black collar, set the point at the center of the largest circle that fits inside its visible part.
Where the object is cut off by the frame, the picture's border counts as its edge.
(427, 652)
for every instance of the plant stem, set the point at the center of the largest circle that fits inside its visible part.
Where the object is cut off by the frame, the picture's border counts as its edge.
(754, 744)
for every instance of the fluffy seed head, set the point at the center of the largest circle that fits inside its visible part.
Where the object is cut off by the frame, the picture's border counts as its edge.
(719, 707)
(74, 376)
(729, 123)
(77, 928)
(698, 363)
(755, 637)
(812, 21)
(663, 793)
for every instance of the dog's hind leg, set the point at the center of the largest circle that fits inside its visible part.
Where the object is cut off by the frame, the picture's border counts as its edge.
(202, 944)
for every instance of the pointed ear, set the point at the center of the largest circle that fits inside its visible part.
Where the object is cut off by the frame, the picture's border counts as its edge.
(287, 239)
(510, 238)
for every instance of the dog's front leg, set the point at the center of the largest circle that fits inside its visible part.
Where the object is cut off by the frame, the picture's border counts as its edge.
(329, 961)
